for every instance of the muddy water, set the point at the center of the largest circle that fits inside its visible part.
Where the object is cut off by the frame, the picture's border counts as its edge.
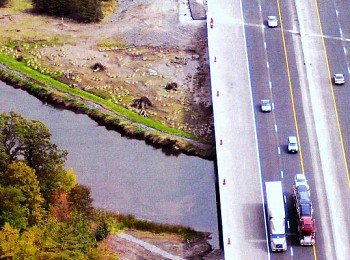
(126, 175)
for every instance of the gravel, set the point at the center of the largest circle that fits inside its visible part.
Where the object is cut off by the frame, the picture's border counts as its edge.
(163, 23)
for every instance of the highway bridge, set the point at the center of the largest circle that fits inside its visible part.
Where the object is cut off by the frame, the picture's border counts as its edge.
(291, 65)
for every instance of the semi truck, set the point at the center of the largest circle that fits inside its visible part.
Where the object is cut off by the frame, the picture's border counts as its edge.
(276, 216)
(303, 205)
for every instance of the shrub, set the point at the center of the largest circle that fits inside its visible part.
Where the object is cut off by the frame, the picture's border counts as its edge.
(102, 231)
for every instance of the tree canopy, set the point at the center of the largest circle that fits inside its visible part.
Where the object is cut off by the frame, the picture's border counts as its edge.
(29, 140)
(44, 214)
(21, 176)
(85, 11)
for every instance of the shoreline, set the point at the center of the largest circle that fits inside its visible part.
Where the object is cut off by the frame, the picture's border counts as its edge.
(170, 144)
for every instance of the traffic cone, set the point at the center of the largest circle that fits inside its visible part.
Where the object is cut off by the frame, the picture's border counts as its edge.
(224, 182)
(220, 141)
(215, 59)
(211, 23)
(229, 241)
(217, 93)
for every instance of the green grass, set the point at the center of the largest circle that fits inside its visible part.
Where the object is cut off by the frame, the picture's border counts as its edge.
(108, 8)
(121, 111)
(17, 6)
(118, 223)
(115, 42)
(131, 222)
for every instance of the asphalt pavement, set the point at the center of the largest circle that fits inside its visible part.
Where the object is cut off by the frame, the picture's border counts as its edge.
(291, 65)
(242, 208)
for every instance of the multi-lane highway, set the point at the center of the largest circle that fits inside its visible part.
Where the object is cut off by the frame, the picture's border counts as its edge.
(292, 65)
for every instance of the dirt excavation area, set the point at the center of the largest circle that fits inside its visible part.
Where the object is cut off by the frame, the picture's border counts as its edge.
(150, 49)
(147, 48)
(133, 245)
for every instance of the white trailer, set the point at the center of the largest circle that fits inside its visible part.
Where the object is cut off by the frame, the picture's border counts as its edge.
(276, 216)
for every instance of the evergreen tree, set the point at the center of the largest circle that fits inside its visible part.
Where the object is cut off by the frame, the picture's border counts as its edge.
(86, 11)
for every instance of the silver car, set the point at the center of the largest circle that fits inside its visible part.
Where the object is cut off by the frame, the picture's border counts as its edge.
(300, 180)
(292, 144)
(339, 79)
(266, 105)
(272, 21)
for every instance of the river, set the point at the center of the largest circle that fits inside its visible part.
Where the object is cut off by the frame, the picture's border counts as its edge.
(126, 175)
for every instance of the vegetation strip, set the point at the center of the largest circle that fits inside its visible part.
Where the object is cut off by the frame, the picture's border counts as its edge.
(46, 80)
(41, 86)
(44, 212)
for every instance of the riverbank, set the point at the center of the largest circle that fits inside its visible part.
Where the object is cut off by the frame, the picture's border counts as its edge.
(145, 245)
(141, 54)
(125, 175)
(170, 144)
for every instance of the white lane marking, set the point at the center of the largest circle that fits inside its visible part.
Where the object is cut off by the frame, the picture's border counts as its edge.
(345, 50)
(265, 45)
(288, 224)
(255, 134)
(279, 150)
(270, 84)
(336, 12)
(285, 199)
(273, 106)
(276, 128)
(348, 69)
(291, 251)
(328, 37)
(340, 31)
(282, 174)
(293, 31)
(267, 64)
(260, 8)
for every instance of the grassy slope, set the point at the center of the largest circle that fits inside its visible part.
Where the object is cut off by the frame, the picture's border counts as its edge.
(48, 81)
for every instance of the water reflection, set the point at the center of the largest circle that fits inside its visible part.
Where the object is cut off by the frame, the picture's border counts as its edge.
(124, 174)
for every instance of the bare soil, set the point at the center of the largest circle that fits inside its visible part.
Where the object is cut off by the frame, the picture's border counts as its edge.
(144, 46)
(172, 244)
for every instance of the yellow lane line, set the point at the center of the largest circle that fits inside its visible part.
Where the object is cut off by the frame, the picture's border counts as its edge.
(333, 96)
(290, 86)
(292, 99)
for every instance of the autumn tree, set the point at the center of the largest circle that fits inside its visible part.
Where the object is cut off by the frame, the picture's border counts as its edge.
(9, 246)
(60, 207)
(19, 175)
(73, 238)
(16, 245)
(30, 140)
(80, 200)
(50, 240)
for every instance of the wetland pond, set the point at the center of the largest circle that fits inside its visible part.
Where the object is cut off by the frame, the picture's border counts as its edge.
(124, 174)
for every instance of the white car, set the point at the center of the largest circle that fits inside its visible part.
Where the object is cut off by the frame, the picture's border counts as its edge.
(272, 21)
(339, 79)
(266, 105)
(292, 144)
(300, 180)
